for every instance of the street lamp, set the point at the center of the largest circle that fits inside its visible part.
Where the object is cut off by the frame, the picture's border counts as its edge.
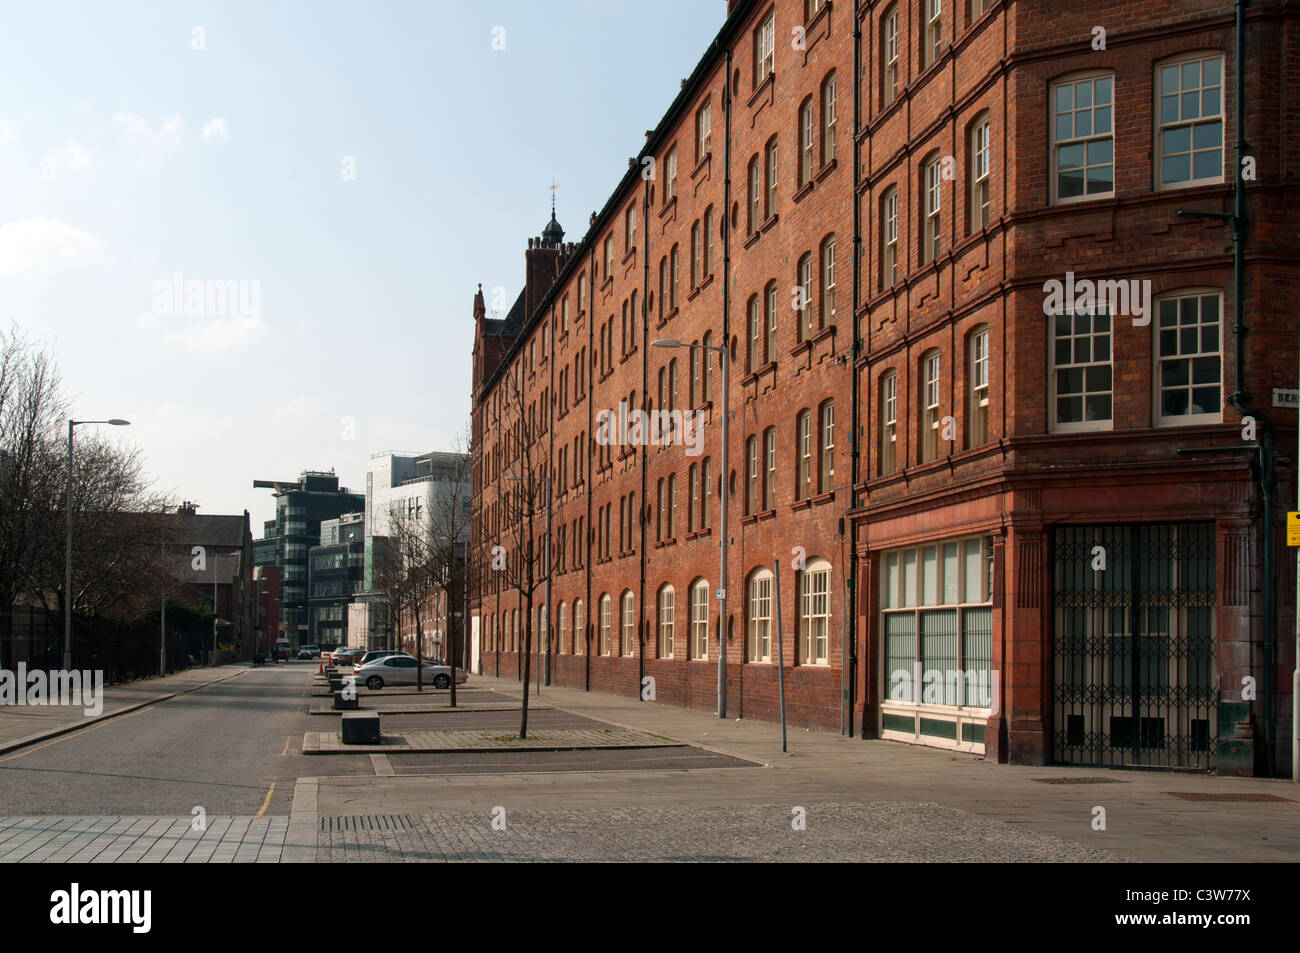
(67, 567)
(722, 552)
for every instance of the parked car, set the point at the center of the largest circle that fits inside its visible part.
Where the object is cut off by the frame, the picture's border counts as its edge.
(313, 651)
(347, 656)
(400, 669)
(305, 653)
(371, 656)
(336, 655)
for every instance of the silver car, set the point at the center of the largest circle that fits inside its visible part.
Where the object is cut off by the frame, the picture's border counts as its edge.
(401, 670)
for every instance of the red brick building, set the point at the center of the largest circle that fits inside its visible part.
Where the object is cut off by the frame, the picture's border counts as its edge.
(1014, 467)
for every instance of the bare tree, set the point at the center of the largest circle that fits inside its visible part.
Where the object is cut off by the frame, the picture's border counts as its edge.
(527, 490)
(449, 520)
(115, 533)
(413, 548)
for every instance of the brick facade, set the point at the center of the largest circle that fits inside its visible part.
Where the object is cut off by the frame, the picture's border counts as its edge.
(967, 291)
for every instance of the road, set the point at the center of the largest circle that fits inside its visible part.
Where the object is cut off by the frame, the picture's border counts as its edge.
(220, 748)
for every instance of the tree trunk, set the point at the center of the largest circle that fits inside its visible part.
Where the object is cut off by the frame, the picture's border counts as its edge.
(528, 656)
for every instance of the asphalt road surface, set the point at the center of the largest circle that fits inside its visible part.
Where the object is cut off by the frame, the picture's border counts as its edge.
(220, 748)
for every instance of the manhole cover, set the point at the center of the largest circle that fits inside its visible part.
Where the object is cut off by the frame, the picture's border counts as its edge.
(1085, 780)
(1240, 796)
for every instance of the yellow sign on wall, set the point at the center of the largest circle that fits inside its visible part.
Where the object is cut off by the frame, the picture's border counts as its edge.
(1293, 529)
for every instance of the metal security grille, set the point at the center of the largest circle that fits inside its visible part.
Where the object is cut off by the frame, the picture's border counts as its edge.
(1133, 645)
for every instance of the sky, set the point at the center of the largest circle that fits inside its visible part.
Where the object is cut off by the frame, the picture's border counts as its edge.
(325, 184)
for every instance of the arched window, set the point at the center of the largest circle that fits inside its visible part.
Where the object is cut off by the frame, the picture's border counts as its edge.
(697, 265)
(814, 605)
(699, 638)
(755, 195)
(826, 447)
(629, 623)
(755, 353)
(977, 415)
(751, 476)
(889, 59)
(666, 608)
(769, 344)
(708, 244)
(929, 406)
(674, 268)
(889, 237)
(579, 627)
(888, 422)
(828, 282)
(804, 303)
(931, 206)
(758, 615)
(978, 162)
(828, 119)
(804, 450)
(604, 624)
(806, 127)
(564, 645)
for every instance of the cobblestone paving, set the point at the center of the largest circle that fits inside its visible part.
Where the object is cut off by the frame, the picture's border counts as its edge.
(540, 739)
(126, 840)
(888, 831)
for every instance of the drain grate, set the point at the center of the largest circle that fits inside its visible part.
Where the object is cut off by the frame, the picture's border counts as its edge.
(1240, 797)
(368, 822)
(1083, 780)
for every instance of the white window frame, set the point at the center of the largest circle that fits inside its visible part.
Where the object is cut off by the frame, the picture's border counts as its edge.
(980, 167)
(889, 238)
(931, 398)
(888, 422)
(1162, 127)
(932, 196)
(605, 611)
(699, 642)
(932, 46)
(828, 283)
(1074, 81)
(889, 84)
(978, 430)
(670, 175)
(758, 617)
(828, 120)
(814, 613)
(764, 49)
(806, 113)
(1059, 426)
(629, 636)
(667, 598)
(1161, 358)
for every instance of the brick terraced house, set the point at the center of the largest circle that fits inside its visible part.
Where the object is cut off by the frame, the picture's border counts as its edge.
(1015, 483)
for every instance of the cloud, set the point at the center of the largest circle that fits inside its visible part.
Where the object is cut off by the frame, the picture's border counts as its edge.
(211, 334)
(43, 244)
(215, 128)
(71, 156)
(8, 131)
(150, 146)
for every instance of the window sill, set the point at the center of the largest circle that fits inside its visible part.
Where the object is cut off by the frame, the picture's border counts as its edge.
(767, 86)
(827, 169)
(752, 239)
(753, 376)
(804, 190)
(708, 280)
(746, 520)
(800, 505)
(769, 222)
(695, 293)
(699, 166)
(820, 498)
(631, 253)
(607, 284)
(669, 206)
(800, 349)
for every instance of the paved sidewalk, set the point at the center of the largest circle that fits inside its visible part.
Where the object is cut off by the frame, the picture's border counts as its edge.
(22, 725)
(539, 739)
(1149, 815)
(126, 840)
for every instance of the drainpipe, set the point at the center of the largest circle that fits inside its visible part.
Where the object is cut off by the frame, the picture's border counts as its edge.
(850, 662)
(1241, 398)
(645, 383)
(591, 390)
(724, 372)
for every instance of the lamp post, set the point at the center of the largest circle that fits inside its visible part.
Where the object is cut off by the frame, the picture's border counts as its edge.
(67, 566)
(722, 550)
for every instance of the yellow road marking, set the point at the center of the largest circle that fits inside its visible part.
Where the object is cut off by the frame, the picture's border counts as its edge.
(286, 746)
(265, 803)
